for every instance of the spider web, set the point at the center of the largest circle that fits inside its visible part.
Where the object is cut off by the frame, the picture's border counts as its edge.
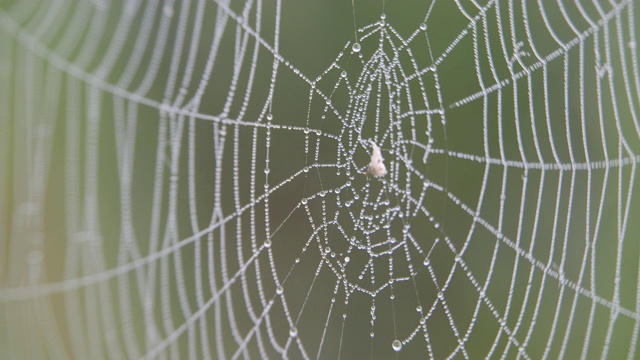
(190, 179)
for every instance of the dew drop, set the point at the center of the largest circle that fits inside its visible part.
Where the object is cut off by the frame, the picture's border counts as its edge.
(344, 74)
(419, 308)
(266, 170)
(293, 332)
(356, 47)
(269, 117)
(306, 130)
(423, 26)
(372, 334)
(426, 262)
(267, 243)
(440, 295)
(305, 169)
(347, 259)
(396, 345)
(304, 200)
(279, 290)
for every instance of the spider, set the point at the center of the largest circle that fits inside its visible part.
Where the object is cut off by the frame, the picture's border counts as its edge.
(376, 166)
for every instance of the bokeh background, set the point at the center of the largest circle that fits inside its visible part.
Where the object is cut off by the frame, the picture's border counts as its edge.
(135, 221)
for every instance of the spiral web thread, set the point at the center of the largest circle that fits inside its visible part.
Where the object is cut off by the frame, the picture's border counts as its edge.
(173, 186)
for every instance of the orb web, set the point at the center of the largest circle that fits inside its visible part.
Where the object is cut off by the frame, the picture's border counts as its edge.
(192, 180)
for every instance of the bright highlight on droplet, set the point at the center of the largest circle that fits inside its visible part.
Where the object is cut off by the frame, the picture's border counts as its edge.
(356, 47)
(396, 345)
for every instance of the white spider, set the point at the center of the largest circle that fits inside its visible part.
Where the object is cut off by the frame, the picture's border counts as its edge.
(376, 165)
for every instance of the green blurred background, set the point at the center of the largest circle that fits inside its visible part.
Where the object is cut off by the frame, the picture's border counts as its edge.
(123, 213)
